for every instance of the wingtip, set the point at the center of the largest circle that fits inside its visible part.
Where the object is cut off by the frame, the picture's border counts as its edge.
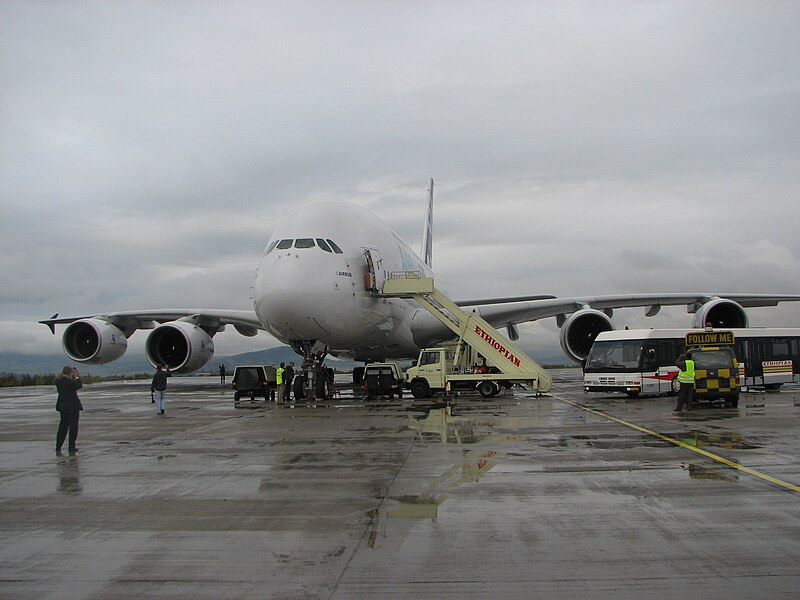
(51, 323)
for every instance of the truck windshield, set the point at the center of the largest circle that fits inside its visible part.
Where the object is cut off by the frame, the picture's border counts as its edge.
(712, 359)
(617, 355)
(429, 358)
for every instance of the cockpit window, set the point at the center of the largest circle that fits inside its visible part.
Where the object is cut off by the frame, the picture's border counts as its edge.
(324, 245)
(304, 243)
(284, 244)
(334, 246)
(271, 247)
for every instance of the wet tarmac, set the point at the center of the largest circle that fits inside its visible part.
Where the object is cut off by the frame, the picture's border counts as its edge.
(566, 496)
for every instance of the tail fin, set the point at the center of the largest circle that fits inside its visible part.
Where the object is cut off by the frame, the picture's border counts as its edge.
(427, 233)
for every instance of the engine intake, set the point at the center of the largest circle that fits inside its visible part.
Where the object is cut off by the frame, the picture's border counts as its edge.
(93, 341)
(720, 313)
(181, 346)
(580, 330)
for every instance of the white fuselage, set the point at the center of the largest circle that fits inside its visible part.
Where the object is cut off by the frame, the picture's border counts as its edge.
(314, 290)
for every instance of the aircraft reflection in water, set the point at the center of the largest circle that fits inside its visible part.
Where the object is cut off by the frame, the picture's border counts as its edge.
(317, 290)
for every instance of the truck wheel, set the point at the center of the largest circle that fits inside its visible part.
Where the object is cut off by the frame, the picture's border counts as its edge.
(676, 386)
(735, 401)
(420, 389)
(488, 389)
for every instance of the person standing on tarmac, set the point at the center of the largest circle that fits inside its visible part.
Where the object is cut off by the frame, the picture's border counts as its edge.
(288, 376)
(279, 381)
(159, 386)
(70, 407)
(686, 380)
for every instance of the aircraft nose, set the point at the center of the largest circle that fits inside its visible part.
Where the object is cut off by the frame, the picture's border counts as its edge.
(288, 294)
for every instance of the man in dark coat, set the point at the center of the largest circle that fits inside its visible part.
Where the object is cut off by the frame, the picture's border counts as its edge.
(70, 407)
(288, 376)
(158, 387)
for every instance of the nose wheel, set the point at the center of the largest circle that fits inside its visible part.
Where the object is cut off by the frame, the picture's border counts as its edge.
(315, 380)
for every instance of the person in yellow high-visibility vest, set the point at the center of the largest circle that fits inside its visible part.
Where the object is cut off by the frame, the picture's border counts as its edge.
(686, 379)
(279, 382)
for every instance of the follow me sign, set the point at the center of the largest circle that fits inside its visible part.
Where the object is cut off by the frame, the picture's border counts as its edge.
(709, 338)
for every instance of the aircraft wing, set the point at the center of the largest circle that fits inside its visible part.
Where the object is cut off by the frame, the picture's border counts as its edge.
(245, 321)
(520, 309)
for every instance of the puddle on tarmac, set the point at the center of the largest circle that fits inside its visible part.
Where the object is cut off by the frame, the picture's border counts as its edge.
(730, 441)
(441, 425)
(713, 472)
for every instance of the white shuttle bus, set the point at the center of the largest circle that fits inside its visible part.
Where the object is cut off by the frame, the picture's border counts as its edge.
(642, 361)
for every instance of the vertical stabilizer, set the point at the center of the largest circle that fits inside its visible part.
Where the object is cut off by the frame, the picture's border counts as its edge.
(427, 233)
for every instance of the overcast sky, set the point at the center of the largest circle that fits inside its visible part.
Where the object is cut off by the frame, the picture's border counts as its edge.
(148, 149)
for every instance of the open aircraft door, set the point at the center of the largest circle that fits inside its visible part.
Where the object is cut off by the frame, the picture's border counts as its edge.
(375, 275)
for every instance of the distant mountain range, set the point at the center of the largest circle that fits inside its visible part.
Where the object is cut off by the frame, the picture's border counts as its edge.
(41, 364)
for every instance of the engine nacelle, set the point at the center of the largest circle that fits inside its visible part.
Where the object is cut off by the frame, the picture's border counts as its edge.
(181, 346)
(720, 313)
(580, 330)
(93, 341)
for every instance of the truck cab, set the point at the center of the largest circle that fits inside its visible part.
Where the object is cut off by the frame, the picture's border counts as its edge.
(429, 372)
(453, 367)
(716, 374)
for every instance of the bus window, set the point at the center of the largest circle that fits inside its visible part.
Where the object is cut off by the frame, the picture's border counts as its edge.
(780, 349)
(649, 361)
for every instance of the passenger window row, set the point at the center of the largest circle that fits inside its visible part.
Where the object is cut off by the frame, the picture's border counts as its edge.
(326, 244)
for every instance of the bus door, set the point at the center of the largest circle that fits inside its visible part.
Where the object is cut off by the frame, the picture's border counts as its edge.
(666, 353)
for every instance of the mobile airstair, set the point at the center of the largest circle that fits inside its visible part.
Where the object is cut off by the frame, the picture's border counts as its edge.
(472, 331)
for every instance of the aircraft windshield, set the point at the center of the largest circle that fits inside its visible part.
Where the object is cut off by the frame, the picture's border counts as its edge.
(326, 244)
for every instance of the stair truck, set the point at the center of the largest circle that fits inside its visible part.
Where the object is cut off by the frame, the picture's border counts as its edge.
(480, 359)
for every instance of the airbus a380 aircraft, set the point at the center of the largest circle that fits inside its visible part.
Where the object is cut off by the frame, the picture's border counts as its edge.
(317, 290)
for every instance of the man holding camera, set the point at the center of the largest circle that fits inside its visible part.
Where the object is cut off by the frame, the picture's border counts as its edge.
(70, 407)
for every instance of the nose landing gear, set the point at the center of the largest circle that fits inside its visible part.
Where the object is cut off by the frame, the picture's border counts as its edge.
(315, 380)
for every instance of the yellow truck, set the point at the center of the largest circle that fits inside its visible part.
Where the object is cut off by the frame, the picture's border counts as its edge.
(716, 370)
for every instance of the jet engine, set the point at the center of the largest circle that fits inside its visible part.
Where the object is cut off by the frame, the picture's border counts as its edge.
(580, 330)
(720, 313)
(93, 341)
(181, 346)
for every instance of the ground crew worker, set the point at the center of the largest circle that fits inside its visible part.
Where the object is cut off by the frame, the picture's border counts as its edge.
(279, 381)
(686, 379)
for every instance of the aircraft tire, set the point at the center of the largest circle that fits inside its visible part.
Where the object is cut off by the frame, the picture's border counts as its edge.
(299, 387)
